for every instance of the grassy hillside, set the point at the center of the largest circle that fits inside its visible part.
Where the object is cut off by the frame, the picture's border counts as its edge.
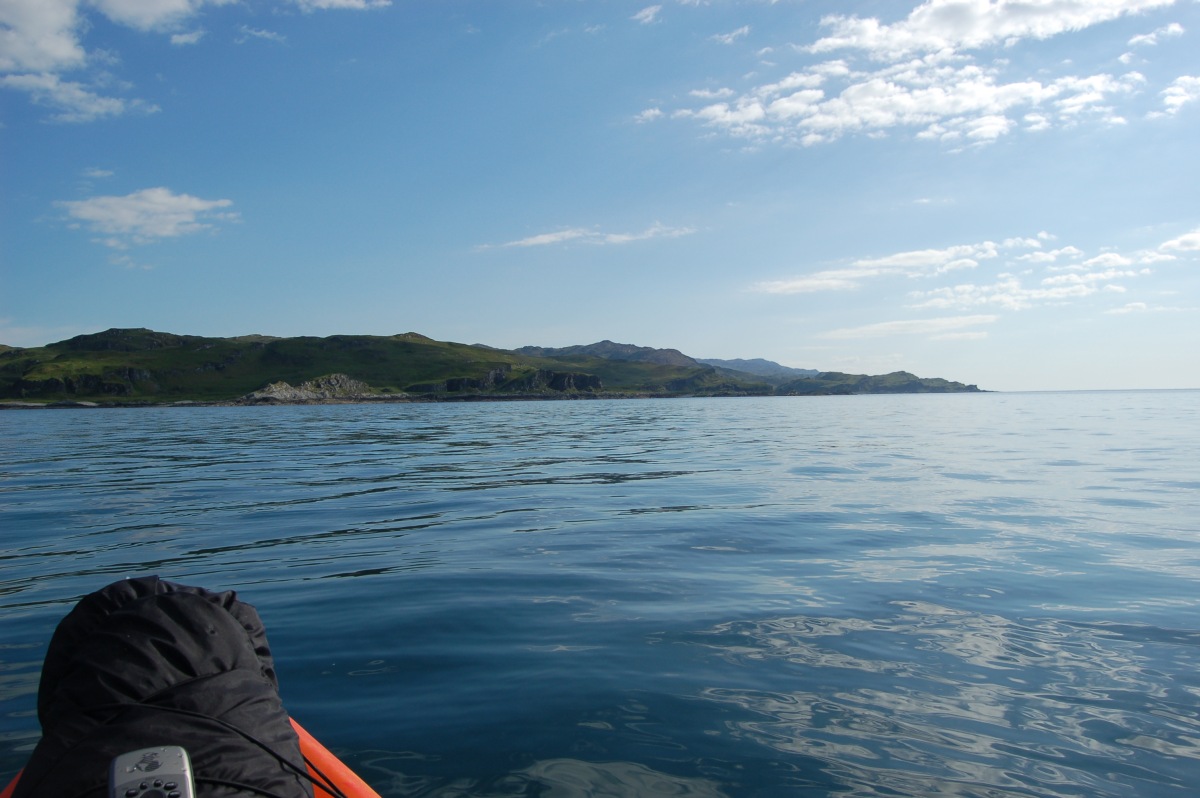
(138, 365)
(124, 365)
(835, 382)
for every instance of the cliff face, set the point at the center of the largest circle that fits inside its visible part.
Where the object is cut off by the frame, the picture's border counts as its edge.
(502, 381)
(562, 381)
(111, 382)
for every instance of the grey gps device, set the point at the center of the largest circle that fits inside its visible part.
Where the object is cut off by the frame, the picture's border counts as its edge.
(163, 771)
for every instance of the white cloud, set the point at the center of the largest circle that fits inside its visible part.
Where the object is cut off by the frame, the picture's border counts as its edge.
(937, 96)
(73, 102)
(1132, 307)
(912, 264)
(831, 280)
(732, 36)
(1142, 307)
(1009, 293)
(1090, 278)
(1189, 242)
(183, 39)
(1149, 256)
(1051, 256)
(41, 39)
(743, 118)
(591, 236)
(649, 115)
(146, 216)
(932, 327)
(1151, 39)
(938, 25)
(1183, 90)
(921, 78)
(39, 35)
(647, 15)
(353, 5)
(712, 94)
(249, 33)
(656, 230)
(794, 81)
(926, 261)
(543, 239)
(151, 15)
(1108, 260)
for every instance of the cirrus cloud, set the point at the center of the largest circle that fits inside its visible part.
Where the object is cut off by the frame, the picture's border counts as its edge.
(732, 36)
(648, 15)
(353, 5)
(587, 235)
(941, 328)
(71, 101)
(912, 264)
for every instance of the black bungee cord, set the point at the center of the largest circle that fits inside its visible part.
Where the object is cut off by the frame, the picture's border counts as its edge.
(319, 780)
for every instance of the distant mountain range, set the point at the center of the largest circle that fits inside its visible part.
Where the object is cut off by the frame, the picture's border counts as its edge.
(140, 366)
(763, 368)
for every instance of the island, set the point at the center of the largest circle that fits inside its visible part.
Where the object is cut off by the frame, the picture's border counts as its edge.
(123, 367)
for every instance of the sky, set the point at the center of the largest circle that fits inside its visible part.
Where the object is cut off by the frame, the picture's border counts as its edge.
(997, 192)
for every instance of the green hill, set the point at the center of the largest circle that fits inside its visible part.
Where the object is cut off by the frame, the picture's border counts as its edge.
(139, 365)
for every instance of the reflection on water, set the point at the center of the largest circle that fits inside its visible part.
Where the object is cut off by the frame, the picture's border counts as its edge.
(930, 697)
(572, 778)
(982, 596)
(550, 778)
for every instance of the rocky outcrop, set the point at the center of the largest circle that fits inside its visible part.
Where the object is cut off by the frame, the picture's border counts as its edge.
(488, 382)
(331, 387)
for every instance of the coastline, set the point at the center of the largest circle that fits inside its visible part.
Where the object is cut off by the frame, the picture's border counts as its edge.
(470, 398)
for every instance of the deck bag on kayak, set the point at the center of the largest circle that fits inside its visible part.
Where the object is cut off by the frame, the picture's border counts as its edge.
(145, 662)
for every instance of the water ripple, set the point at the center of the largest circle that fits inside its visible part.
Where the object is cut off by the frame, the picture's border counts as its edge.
(979, 596)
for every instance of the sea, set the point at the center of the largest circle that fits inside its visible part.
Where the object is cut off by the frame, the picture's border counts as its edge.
(982, 595)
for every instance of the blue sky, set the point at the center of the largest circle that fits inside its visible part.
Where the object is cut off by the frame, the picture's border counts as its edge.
(1001, 193)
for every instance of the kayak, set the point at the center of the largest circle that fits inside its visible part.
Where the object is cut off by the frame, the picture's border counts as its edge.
(326, 770)
(331, 777)
(148, 663)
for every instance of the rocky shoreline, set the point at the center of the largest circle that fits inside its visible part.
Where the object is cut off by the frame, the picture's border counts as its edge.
(365, 400)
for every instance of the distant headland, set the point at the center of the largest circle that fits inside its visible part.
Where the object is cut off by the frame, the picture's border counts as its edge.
(123, 367)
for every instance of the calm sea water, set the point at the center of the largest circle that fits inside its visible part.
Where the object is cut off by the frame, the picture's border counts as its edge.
(970, 595)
